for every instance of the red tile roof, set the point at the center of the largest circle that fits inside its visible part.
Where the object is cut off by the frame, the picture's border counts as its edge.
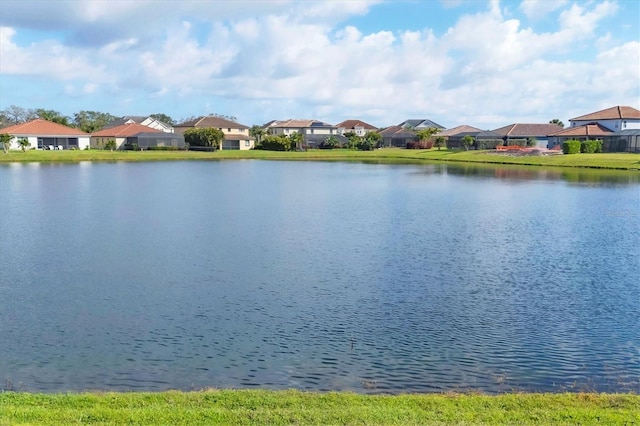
(125, 130)
(527, 130)
(40, 127)
(613, 113)
(352, 124)
(591, 129)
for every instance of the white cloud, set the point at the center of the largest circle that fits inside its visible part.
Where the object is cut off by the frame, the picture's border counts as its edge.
(536, 9)
(286, 60)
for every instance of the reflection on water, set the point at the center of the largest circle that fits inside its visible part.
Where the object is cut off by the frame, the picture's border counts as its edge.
(319, 276)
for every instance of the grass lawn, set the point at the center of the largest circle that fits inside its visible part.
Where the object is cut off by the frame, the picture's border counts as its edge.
(621, 161)
(300, 408)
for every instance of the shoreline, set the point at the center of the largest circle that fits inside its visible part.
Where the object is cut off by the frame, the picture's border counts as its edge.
(606, 161)
(219, 406)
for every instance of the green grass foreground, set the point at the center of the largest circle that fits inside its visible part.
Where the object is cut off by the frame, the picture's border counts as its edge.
(620, 161)
(295, 407)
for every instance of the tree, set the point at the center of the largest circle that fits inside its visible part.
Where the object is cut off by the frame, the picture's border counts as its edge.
(467, 141)
(110, 145)
(164, 118)
(92, 121)
(440, 141)
(16, 115)
(556, 121)
(370, 141)
(425, 134)
(204, 136)
(276, 143)
(330, 142)
(23, 143)
(354, 140)
(257, 132)
(5, 140)
(296, 141)
(51, 115)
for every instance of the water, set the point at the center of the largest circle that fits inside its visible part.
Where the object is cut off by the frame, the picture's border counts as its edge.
(318, 276)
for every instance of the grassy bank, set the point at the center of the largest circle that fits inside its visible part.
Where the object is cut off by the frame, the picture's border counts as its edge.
(620, 161)
(294, 407)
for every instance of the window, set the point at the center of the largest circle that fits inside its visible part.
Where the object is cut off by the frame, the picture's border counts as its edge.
(229, 130)
(247, 143)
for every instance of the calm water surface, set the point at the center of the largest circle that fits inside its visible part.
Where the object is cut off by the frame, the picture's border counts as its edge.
(318, 276)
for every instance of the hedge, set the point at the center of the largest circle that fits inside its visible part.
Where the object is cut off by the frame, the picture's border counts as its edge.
(590, 147)
(571, 147)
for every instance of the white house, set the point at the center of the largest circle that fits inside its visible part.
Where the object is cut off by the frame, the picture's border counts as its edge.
(304, 127)
(360, 128)
(149, 122)
(616, 119)
(43, 134)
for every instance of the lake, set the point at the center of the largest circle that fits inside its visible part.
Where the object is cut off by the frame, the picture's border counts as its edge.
(318, 276)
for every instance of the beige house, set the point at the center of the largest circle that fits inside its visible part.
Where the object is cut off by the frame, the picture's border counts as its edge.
(236, 135)
(118, 134)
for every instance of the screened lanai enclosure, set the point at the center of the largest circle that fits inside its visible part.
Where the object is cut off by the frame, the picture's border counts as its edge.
(56, 143)
(143, 141)
(624, 141)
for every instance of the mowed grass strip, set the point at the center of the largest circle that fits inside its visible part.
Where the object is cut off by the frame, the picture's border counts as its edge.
(301, 408)
(621, 161)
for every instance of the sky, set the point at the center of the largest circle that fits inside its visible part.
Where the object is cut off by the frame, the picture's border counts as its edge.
(482, 63)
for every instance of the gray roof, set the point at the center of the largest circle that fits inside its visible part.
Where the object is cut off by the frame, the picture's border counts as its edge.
(627, 132)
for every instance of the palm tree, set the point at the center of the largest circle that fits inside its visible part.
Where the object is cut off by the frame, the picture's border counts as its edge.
(257, 132)
(5, 141)
(440, 142)
(296, 141)
(556, 121)
(24, 143)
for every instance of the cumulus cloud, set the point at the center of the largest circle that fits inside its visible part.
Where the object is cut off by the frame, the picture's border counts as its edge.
(536, 9)
(295, 59)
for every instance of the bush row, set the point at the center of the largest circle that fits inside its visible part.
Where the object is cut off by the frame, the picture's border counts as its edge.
(573, 146)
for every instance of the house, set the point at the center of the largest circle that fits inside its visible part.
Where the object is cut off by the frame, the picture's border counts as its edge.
(584, 132)
(314, 132)
(519, 133)
(145, 121)
(43, 134)
(135, 136)
(397, 136)
(453, 136)
(359, 128)
(304, 127)
(616, 118)
(236, 135)
(421, 123)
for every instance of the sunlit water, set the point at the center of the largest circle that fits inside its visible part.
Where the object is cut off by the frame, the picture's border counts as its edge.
(318, 276)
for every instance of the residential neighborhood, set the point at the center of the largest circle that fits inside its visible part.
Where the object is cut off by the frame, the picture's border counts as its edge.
(618, 128)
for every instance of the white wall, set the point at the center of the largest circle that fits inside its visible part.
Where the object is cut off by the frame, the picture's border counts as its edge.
(615, 125)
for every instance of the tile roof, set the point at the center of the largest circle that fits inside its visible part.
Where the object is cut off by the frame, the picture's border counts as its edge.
(40, 127)
(125, 130)
(527, 130)
(351, 124)
(292, 123)
(398, 132)
(212, 121)
(591, 129)
(457, 130)
(613, 113)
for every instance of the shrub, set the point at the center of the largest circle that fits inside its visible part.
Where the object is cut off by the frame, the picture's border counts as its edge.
(276, 143)
(571, 147)
(589, 147)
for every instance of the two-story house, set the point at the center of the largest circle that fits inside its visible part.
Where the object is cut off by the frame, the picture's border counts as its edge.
(236, 135)
(314, 132)
(357, 127)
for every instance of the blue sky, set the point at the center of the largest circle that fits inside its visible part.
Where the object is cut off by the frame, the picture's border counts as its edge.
(482, 63)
